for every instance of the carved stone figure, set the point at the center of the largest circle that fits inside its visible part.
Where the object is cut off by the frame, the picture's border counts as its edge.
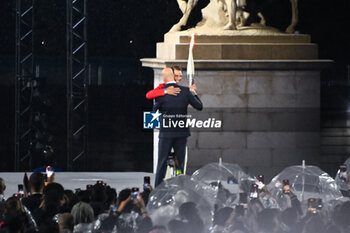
(234, 11)
(295, 16)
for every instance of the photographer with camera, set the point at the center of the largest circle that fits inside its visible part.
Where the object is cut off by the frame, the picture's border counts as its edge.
(130, 211)
(291, 198)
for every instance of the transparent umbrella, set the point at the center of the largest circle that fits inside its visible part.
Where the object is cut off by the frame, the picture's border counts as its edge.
(224, 180)
(165, 200)
(305, 182)
(347, 163)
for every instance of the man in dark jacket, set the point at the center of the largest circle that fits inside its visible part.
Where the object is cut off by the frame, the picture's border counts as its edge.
(174, 110)
(33, 201)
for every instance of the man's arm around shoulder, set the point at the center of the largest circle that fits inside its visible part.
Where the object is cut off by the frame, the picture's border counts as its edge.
(161, 91)
(194, 101)
(156, 92)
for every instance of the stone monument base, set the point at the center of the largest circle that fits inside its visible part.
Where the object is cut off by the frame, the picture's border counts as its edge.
(250, 44)
(264, 88)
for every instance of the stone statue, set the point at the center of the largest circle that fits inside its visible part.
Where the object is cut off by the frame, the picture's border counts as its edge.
(295, 16)
(233, 13)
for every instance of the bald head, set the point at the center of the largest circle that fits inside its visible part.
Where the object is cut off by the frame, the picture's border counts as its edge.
(167, 75)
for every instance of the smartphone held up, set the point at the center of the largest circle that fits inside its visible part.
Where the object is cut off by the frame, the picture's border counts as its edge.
(146, 183)
(134, 193)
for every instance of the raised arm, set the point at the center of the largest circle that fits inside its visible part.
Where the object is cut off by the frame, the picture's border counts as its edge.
(156, 92)
(160, 91)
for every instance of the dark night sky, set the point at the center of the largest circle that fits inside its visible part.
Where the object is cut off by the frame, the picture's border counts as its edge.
(114, 23)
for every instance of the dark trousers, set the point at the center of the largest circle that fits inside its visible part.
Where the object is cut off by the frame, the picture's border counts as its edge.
(164, 148)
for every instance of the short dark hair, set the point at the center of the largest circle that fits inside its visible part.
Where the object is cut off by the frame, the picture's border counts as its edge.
(36, 181)
(54, 188)
(124, 194)
(98, 193)
(177, 68)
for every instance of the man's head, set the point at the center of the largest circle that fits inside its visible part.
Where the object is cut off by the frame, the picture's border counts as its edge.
(2, 186)
(167, 75)
(54, 193)
(36, 182)
(177, 73)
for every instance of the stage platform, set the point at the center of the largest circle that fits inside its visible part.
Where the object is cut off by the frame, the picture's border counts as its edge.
(74, 180)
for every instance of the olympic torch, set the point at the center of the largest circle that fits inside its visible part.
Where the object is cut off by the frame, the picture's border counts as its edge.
(190, 63)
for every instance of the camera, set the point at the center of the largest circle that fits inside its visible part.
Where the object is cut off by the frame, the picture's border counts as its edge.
(314, 204)
(20, 191)
(134, 193)
(49, 171)
(286, 186)
(100, 182)
(146, 183)
(17, 195)
(114, 208)
(254, 191)
(260, 182)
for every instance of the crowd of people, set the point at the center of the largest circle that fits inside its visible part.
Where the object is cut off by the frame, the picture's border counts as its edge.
(48, 207)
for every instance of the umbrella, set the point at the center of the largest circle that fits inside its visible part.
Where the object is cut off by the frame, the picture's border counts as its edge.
(165, 200)
(305, 182)
(224, 181)
(347, 163)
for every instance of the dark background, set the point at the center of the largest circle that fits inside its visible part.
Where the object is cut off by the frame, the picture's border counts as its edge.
(120, 32)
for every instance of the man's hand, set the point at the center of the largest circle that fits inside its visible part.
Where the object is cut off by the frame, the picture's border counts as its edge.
(171, 90)
(51, 179)
(286, 189)
(140, 202)
(193, 89)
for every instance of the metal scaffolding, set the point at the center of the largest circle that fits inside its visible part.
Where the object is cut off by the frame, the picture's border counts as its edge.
(25, 66)
(77, 90)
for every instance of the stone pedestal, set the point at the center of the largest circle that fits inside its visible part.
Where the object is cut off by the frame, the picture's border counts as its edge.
(264, 88)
